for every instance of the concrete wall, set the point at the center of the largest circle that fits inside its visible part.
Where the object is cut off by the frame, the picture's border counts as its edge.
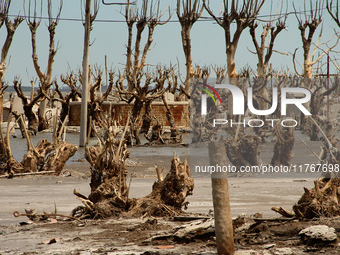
(120, 111)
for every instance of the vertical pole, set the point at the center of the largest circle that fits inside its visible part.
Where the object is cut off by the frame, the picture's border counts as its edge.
(1, 107)
(221, 201)
(327, 86)
(84, 99)
(106, 77)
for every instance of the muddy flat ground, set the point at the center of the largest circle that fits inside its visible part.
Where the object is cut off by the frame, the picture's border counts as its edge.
(249, 195)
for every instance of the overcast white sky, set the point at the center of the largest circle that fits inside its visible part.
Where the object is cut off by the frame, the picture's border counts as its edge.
(109, 38)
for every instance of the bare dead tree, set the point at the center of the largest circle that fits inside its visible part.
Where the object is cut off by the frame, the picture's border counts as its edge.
(45, 79)
(263, 51)
(71, 81)
(336, 17)
(96, 101)
(283, 146)
(28, 106)
(191, 13)
(135, 58)
(308, 27)
(334, 14)
(154, 86)
(220, 73)
(241, 12)
(11, 27)
(141, 95)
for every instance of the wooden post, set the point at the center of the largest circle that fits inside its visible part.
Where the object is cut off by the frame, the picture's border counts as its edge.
(328, 86)
(84, 96)
(1, 107)
(220, 192)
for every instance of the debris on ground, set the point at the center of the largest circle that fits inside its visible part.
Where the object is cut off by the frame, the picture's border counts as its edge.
(51, 241)
(318, 234)
(35, 217)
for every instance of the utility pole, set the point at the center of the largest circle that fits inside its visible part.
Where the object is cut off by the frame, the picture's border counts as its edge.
(84, 98)
(328, 86)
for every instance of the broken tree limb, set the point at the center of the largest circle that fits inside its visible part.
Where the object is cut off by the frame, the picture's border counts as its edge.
(221, 201)
(5, 148)
(24, 132)
(159, 173)
(121, 140)
(17, 214)
(75, 192)
(25, 174)
(283, 212)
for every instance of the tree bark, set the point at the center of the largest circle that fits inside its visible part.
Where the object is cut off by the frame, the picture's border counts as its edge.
(221, 201)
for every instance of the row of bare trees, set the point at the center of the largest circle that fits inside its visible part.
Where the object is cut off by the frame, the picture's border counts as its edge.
(244, 14)
(135, 81)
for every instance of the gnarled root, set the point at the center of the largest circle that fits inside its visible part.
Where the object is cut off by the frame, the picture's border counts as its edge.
(109, 192)
(322, 200)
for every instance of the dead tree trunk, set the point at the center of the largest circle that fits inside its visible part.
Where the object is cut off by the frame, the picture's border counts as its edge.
(173, 128)
(136, 93)
(11, 27)
(283, 146)
(156, 135)
(142, 97)
(65, 100)
(3, 87)
(310, 24)
(264, 52)
(168, 195)
(28, 107)
(44, 78)
(6, 157)
(221, 200)
(95, 110)
(147, 119)
(243, 14)
(190, 15)
(245, 151)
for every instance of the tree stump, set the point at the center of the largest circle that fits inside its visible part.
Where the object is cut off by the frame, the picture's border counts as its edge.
(283, 147)
(245, 151)
(109, 191)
